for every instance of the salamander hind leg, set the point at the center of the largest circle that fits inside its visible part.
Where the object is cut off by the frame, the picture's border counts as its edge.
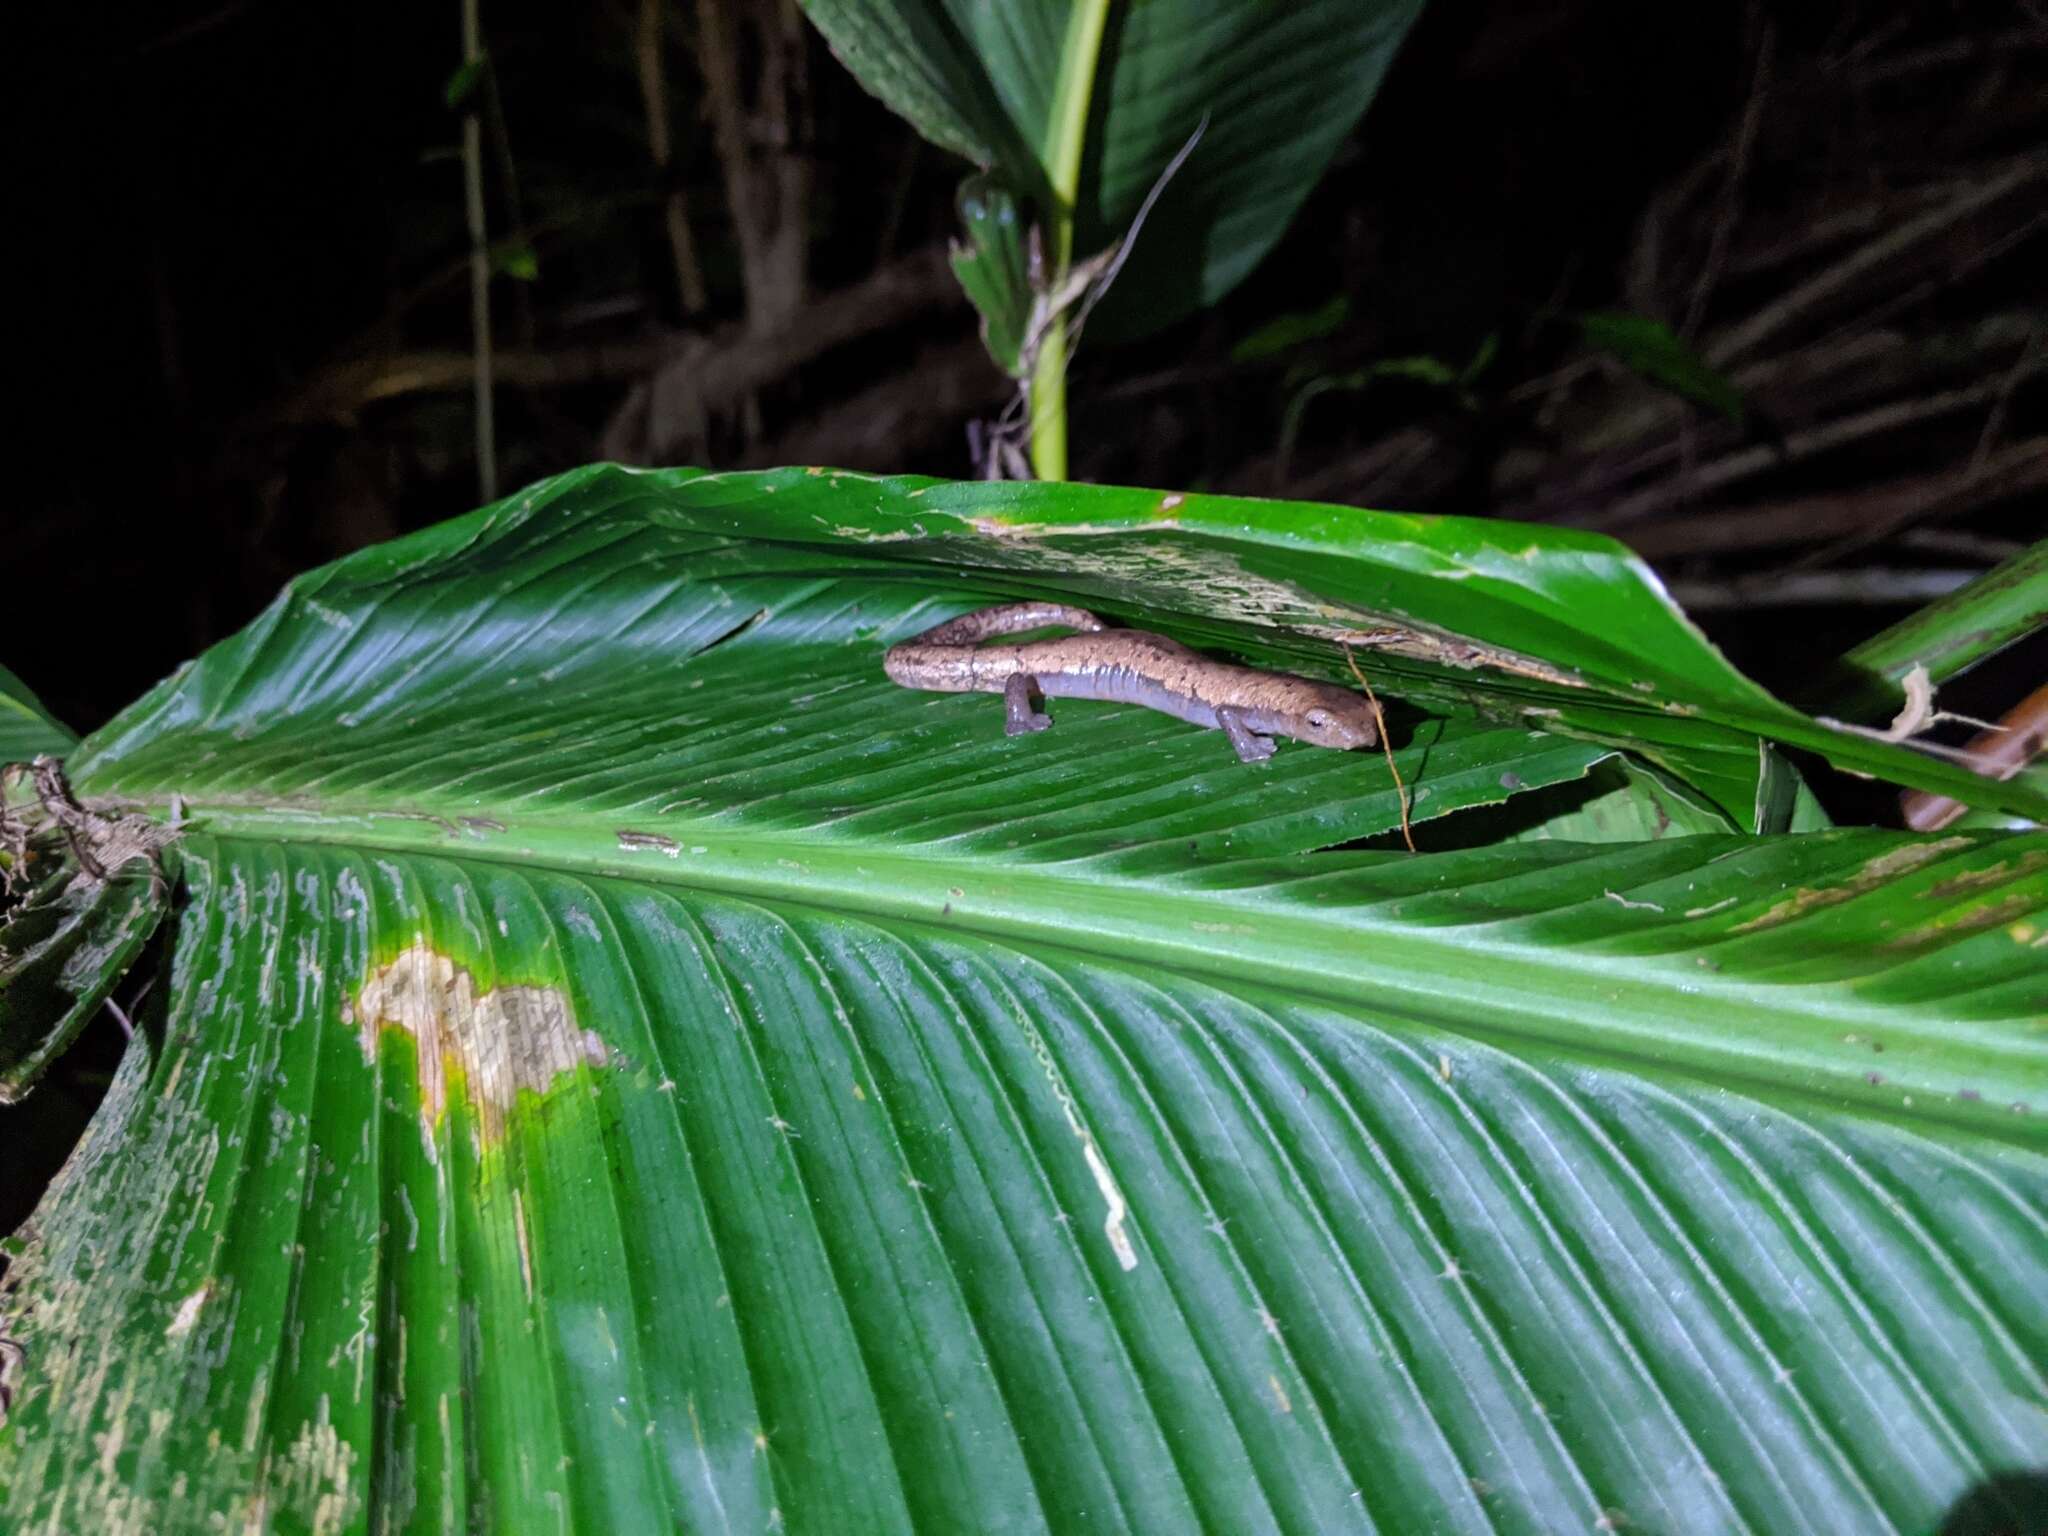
(1020, 700)
(1251, 746)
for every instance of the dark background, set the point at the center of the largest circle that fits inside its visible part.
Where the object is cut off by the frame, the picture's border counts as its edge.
(243, 234)
(242, 314)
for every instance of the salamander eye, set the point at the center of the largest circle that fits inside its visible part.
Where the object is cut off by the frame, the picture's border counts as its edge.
(1318, 718)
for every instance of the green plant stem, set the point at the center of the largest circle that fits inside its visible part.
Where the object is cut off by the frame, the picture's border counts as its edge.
(1049, 404)
(479, 265)
(1069, 132)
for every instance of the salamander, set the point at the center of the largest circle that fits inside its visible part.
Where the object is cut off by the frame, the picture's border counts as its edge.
(1125, 666)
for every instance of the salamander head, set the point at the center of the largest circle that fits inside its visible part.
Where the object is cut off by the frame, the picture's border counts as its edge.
(1342, 725)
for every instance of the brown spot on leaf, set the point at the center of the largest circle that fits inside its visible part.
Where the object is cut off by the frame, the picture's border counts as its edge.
(2004, 871)
(490, 1044)
(1969, 920)
(1873, 873)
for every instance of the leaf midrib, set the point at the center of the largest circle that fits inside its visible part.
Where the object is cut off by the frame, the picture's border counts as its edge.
(1677, 1017)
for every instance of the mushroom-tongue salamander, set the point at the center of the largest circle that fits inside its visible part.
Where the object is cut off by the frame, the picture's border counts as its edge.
(1125, 666)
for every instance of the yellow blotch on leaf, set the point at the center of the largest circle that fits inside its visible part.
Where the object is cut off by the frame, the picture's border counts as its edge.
(492, 1044)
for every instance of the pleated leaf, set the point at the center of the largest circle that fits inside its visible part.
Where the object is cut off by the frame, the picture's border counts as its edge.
(1278, 88)
(626, 1066)
(63, 950)
(27, 730)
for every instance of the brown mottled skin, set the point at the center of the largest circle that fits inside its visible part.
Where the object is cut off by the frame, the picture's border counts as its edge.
(1125, 666)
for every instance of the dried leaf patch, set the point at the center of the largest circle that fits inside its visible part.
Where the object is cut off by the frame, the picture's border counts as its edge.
(492, 1043)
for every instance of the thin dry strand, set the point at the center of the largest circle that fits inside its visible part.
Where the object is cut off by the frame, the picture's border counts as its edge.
(1387, 747)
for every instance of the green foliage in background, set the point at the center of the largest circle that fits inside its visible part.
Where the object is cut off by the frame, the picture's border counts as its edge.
(1076, 108)
(1652, 349)
(27, 730)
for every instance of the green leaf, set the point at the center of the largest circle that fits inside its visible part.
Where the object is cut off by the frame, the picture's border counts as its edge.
(1539, 625)
(27, 730)
(1808, 814)
(1416, 369)
(463, 83)
(1617, 801)
(62, 952)
(516, 259)
(1785, 802)
(1949, 635)
(628, 1066)
(1281, 88)
(1653, 350)
(994, 269)
(1419, 370)
(1622, 802)
(1482, 359)
(1283, 333)
(922, 60)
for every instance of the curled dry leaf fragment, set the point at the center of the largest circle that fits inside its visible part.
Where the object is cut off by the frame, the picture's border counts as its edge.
(1920, 714)
(1999, 753)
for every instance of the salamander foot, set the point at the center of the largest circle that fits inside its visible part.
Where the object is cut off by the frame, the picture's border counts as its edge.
(1251, 746)
(1020, 696)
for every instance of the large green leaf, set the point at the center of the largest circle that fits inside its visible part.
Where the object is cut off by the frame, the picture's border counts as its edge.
(1279, 87)
(1527, 624)
(627, 1066)
(27, 730)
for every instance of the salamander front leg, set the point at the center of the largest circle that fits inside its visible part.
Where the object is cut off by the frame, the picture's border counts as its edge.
(1251, 746)
(1020, 700)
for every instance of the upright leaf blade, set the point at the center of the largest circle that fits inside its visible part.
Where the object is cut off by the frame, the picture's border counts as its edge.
(1280, 88)
(930, 70)
(27, 730)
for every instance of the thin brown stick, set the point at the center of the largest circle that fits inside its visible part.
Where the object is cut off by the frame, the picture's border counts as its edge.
(1888, 247)
(1387, 747)
(479, 268)
(760, 147)
(1882, 586)
(1835, 369)
(647, 51)
(1867, 512)
(1744, 463)
(1728, 206)
(912, 287)
(1966, 50)
(1994, 423)
(1945, 279)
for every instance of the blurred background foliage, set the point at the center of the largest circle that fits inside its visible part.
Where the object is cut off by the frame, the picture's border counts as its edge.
(1755, 288)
